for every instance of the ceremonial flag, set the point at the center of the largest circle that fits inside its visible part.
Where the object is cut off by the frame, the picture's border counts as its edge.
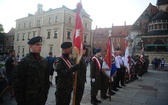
(106, 67)
(127, 57)
(78, 33)
(141, 55)
(78, 45)
(113, 67)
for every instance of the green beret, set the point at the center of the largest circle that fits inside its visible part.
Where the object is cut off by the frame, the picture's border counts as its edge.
(65, 45)
(34, 40)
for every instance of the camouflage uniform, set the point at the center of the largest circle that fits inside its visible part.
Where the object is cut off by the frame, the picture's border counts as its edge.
(81, 79)
(138, 68)
(64, 82)
(31, 80)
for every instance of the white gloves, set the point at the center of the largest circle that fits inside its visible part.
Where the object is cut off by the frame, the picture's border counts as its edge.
(93, 79)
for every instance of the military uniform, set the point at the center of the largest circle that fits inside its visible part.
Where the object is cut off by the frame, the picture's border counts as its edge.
(95, 77)
(138, 68)
(81, 79)
(64, 69)
(31, 78)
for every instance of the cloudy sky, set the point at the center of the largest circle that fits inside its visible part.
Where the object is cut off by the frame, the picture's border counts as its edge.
(102, 12)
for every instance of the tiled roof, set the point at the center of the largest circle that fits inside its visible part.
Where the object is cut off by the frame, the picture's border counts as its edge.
(121, 30)
(11, 32)
(101, 32)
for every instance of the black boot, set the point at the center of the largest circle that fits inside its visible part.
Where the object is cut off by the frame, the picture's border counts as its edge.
(93, 101)
(98, 101)
(1, 100)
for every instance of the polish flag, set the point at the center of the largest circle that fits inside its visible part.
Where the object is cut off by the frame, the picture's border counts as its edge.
(78, 34)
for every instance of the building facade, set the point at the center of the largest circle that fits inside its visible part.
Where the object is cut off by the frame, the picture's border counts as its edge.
(151, 31)
(9, 40)
(54, 26)
(118, 35)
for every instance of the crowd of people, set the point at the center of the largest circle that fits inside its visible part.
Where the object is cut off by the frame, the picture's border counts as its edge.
(28, 81)
(158, 64)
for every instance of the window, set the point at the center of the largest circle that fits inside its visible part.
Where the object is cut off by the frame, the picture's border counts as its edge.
(56, 18)
(30, 24)
(18, 49)
(48, 34)
(34, 33)
(28, 38)
(95, 42)
(69, 35)
(118, 47)
(17, 37)
(23, 38)
(86, 26)
(7, 43)
(49, 20)
(164, 26)
(155, 26)
(38, 22)
(70, 19)
(85, 38)
(19, 26)
(23, 50)
(118, 40)
(55, 34)
(24, 25)
(51, 48)
(11, 43)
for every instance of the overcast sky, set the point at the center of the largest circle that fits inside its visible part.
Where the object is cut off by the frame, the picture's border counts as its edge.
(102, 12)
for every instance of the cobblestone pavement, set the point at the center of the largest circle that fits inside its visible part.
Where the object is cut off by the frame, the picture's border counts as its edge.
(152, 89)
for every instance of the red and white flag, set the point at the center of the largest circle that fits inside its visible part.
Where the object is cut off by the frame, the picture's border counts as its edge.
(78, 34)
(127, 57)
(141, 56)
(106, 66)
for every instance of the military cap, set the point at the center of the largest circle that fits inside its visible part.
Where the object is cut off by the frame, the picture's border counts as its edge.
(97, 50)
(35, 40)
(65, 45)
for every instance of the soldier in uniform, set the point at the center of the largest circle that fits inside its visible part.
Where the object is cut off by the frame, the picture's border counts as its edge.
(138, 67)
(64, 69)
(31, 76)
(81, 78)
(95, 76)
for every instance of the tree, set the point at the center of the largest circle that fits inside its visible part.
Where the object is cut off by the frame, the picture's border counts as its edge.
(1, 28)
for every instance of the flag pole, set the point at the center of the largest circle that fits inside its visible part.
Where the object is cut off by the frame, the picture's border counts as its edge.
(78, 51)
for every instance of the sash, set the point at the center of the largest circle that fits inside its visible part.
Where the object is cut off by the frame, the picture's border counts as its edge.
(68, 63)
(97, 62)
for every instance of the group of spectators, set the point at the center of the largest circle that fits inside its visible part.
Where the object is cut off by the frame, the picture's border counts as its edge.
(158, 64)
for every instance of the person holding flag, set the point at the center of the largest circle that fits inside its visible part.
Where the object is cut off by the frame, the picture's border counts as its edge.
(95, 76)
(81, 78)
(78, 51)
(65, 70)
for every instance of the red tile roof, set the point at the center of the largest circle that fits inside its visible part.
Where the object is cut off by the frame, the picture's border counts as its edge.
(101, 32)
(121, 30)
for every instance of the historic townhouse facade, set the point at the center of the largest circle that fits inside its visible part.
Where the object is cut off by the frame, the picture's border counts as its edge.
(55, 26)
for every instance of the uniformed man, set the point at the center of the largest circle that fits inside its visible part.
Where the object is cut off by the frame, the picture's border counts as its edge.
(138, 67)
(64, 69)
(31, 76)
(81, 78)
(95, 76)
